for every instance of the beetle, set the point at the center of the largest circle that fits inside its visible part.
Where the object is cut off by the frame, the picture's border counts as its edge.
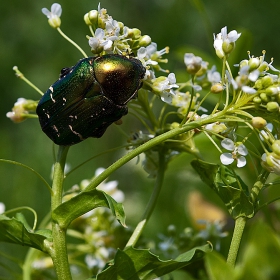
(89, 97)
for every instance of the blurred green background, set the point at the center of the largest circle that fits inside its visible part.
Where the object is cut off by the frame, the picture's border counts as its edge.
(40, 52)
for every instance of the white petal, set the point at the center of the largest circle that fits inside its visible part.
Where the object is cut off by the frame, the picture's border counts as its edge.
(224, 32)
(98, 171)
(152, 48)
(56, 9)
(188, 58)
(108, 187)
(141, 53)
(253, 76)
(248, 90)
(46, 12)
(228, 144)
(233, 36)
(167, 97)
(273, 68)
(241, 161)
(242, 150)
(99, 33)
(197, 87)
(172, 78)
(93, 42)
(107, 44)
(264, 157)
(270, 126)
(118, 196)
(226, 158)
(2, 207)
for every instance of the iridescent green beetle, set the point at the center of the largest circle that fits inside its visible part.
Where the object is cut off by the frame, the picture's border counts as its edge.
(89, 97)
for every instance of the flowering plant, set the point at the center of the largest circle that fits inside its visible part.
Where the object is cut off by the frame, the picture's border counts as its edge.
(246, 111)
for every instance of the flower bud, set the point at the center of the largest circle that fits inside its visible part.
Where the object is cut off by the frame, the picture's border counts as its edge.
(91, 17)
(272, 106)
(271, 90)
(258, 84)
(243, 63)
(265, 98)
(272, 159)
(254, 63)
(259, 122)
(174, 125)
(267, 81)
(145, 41)
(257, 100)
(21, 109)
(217, 88)
(276, 147)
(134, 33)
(193, 63)
(228, 47)
(263, 66)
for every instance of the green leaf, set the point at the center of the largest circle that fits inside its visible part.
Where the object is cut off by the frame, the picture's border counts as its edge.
(133, 264)
(80, 204)
(229, 186)
(217, 268)
(14, 231)
(207, 171)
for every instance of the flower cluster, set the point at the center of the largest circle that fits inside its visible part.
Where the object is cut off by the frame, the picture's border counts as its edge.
(111, 36)
(110, 188)
(22, 110)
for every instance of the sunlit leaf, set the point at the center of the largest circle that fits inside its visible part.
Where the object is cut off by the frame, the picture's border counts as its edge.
(83, 203)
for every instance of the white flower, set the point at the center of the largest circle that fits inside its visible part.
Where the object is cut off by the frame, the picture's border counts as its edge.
(271, 162)
(213, 75)
(150, 56)
(238, 153)
(224, 42)
(19, 111)
(53, 15)
(193, 63)
(144, 56)
(2, 207)
(264, 134)
(100, 42)
(112, 27)
(164, 87)
(110, 187)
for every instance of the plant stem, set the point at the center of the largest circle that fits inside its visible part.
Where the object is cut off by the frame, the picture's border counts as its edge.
(58, 249)
(236, 239)
(152, 202)
(150, 144)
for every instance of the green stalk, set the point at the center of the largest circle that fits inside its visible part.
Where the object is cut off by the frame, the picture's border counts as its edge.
(236, 239)
(32, 253)
(152, 202)
(57, 249)
(241, 221)
(150, 144)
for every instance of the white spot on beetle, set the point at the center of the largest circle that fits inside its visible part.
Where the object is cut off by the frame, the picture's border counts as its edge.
(75, 132)
(53, 100)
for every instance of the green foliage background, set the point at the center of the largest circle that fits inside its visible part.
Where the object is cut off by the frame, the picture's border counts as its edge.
(40, 52)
